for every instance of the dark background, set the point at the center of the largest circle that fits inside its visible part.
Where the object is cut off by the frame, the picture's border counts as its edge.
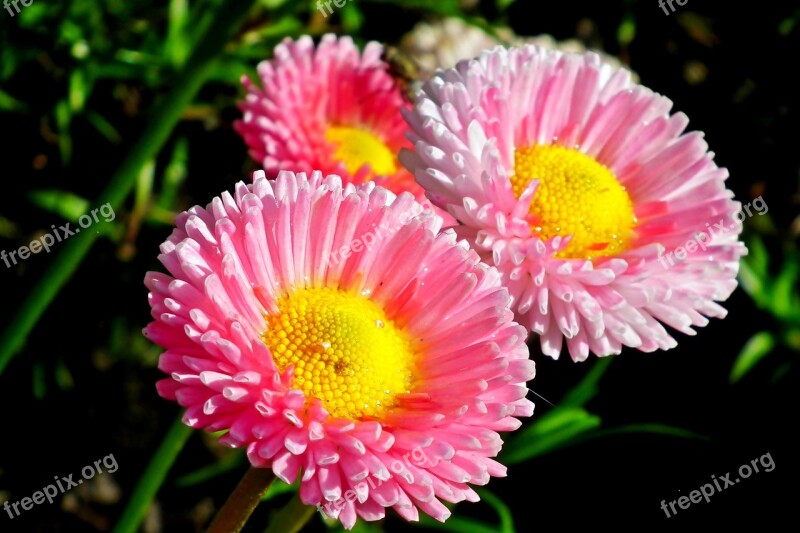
(83, 387)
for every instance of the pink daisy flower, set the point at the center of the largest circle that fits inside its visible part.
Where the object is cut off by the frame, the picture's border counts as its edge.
(335, 333)
(328, 108)
(578, 184)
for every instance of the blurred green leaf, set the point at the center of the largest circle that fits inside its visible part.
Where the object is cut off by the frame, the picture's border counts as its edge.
(784, 295)
(9, 103)
(63, 120)
(291, 518)
(502, 510)
(626, 32)
(278, 487)
(63, 375)
(757, 256)
(442, 7)
(177, 45)
(34, 15)
(352, 18)
(39, 381)
(502, 5)
(174, 174)
(105, 128)
(656, 429)
(753, 351)
(164, 116)
(781, 371)
(272, 4)
(79, 89)
(588, 387)
(787, 25)
(67, 205)
(153, 477)
(551, 431)
(287, 25)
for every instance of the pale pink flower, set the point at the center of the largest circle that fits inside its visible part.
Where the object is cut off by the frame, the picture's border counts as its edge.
(333, 330)
(573, 181)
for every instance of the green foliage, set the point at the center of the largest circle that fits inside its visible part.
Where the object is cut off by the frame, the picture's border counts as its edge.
(778, 295)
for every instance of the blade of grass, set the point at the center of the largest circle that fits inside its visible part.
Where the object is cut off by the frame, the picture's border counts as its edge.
(163, 119)
(153, 477)
(645, 428)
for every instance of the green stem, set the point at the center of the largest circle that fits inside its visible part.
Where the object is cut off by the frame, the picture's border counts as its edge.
(244, 499)
(291, 518)
(163, 119)
(153, 477)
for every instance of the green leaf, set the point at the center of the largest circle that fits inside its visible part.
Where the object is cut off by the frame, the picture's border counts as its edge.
(39, 381)
(174, 174)
(278, 487)
(753, 351)
(33, 16)
(502, 510)
(65, 204)
(291, 518)
(177, 45)
(79, 89)
(105, 128)
(63, 120)
(272, 4)
(502, 5)
(554, 430)
(626, 32)
(352, 18)
(656, 429)
(784, 297)
(225, 19)
(788, 24)
(757, 256)
(781, 371)
(442, 7)
(63, 375)
(753, 285)
(9, 103)
(153, 477)
(588, 387)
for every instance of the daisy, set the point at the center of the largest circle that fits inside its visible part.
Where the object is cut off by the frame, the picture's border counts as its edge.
(329, 108)
(573, 181)
(334, 332)
(445, 42)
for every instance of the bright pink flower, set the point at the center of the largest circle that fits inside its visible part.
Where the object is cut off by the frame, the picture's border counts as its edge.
(329, 108)
(574, 182)
(333, 330)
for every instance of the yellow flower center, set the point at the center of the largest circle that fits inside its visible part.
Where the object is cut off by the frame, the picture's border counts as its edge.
(356, 147)
(344, 350)
(576, 196)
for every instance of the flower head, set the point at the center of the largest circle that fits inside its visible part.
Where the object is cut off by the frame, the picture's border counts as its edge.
(576, 183)
(329, 108)
(445, 42)
(335, 333)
